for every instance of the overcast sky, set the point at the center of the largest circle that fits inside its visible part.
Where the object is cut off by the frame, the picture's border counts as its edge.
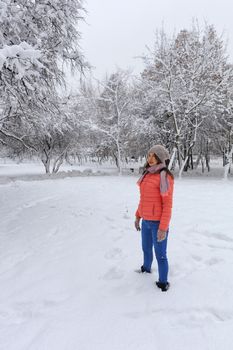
(119, 30)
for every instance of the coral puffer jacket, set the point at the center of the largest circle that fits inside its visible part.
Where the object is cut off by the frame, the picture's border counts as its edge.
(153, 205)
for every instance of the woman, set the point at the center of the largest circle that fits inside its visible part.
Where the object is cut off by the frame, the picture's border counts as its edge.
(156, 194)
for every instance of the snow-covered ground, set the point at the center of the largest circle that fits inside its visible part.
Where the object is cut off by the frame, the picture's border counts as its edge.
(30, 168)
(68, 255)
(34, 170)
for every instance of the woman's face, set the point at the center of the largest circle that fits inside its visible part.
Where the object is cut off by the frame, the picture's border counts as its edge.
(151, 159)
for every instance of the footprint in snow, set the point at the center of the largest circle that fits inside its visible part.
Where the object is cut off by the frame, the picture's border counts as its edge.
(34, 203)
(109, 219)
(115, 239)
(197, 257)
(114, 253)
(222, 237)
(196, 316)
(126, 216)
(113, 274)
(53, 232)
(216, 235)
(187, 317)
(213, 261)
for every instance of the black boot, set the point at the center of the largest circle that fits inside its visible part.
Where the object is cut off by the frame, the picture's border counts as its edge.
(144, 270)
(163, 286)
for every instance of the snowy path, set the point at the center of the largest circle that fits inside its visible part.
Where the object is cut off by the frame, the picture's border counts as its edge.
(68, 254)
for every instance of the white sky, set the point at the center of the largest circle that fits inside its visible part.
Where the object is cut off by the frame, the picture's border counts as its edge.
(119, 30)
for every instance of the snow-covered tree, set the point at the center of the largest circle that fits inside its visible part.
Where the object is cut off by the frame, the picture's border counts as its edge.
(37, 39)
(110, 116)
(52, 141)
(183, 76)
(222, 128)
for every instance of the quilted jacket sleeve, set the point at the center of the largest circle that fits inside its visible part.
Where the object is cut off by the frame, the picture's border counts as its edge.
(137, 214)
(167, 200)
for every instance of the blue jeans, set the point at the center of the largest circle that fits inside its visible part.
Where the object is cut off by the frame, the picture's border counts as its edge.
(149, 239)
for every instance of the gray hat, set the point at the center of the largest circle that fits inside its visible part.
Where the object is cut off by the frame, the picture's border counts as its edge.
(160, 152)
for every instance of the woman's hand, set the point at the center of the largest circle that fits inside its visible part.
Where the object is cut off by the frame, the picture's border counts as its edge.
(137, 224)
(161, 235)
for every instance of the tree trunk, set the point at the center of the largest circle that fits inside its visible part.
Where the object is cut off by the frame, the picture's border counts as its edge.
(172, 158)
(46, 160)
(57, 163)
(202, 165)
(178, 152)
(183, 166)
(186, 159)
(116, 160)
(207, 156)
(228, 163)
(46, 163)
(198, 160)
(207, 161)
(187, 165)
(224, 157)
(119, 157)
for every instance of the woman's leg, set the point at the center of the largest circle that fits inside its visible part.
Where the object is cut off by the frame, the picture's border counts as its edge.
(161, 254)
(147, 245)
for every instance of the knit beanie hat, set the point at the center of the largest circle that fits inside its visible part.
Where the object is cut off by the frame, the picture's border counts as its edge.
(160, 152)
